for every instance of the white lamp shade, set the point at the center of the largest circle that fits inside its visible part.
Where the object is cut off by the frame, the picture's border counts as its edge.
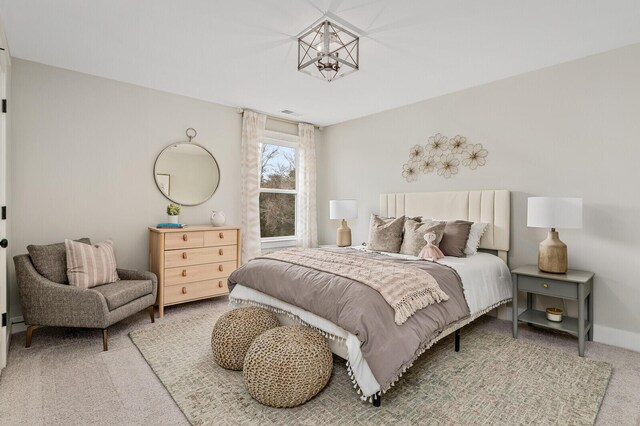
(554, 212)
(343, 209)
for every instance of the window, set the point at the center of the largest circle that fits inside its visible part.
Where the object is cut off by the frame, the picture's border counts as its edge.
(278, 189)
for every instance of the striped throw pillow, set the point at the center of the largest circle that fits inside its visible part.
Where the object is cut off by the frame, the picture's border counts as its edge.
(90, 265)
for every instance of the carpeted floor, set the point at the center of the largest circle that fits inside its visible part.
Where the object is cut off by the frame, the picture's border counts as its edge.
(65, 378)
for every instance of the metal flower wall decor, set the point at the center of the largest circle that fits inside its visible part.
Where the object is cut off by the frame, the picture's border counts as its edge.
(443, 156)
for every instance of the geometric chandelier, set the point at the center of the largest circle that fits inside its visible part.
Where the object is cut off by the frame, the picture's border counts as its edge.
(328, 51)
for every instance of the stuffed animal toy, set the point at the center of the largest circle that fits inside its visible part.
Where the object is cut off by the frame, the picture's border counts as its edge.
(431, 251)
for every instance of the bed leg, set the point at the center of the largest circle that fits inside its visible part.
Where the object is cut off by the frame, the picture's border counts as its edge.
(457, 344)
(377, 399)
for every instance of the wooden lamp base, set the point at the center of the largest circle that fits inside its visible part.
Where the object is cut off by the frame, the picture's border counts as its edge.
(343, 235)
(552, 254)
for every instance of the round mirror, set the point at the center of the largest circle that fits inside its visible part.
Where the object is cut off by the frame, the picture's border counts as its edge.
(186, 173)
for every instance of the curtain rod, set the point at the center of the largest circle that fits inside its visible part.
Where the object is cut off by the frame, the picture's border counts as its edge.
(283, 120)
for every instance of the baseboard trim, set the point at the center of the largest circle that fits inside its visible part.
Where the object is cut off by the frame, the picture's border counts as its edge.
(616, 337)
(18, 325)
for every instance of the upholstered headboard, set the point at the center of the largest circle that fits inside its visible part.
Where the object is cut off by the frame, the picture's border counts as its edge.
(491, 206)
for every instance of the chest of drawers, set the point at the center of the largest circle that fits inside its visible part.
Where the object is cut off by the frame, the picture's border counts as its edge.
(193, 263)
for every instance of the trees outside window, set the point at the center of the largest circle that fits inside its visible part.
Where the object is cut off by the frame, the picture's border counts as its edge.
(278, 190)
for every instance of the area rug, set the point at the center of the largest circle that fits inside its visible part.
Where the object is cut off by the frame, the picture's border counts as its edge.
(493, 380)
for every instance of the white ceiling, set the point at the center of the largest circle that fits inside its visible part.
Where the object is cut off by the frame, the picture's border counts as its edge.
(243, 52)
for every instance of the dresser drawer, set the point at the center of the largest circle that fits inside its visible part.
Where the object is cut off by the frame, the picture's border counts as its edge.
(180, 240)
(220, 238)
(189, 274)
(199, 256)
(548, 287)
(196, 290)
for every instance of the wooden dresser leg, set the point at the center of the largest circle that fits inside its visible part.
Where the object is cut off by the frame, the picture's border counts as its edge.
(105, 339)
(30, 335)
(160, 311)
(152, 314)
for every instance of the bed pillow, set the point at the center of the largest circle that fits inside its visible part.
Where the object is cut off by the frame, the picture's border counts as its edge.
(475, 234)
(385, 233)
(454, 240)
(413, 241)
(89, 266)
(51, 260)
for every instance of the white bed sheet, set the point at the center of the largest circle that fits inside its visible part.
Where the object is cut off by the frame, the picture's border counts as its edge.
(486, 280)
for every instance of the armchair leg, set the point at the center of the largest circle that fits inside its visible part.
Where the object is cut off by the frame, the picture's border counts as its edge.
(30, 330)
(105, 339)
(152, 314)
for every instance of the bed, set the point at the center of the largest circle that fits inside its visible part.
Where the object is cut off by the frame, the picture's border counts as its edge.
(485, 281)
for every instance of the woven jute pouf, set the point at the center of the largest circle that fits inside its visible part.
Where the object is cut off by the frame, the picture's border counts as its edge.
(235, 331)
(287, 366)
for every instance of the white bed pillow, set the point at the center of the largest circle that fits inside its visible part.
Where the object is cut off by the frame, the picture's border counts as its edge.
(475, 234)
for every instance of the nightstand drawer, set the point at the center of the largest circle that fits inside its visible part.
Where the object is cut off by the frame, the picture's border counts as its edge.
(548, 287)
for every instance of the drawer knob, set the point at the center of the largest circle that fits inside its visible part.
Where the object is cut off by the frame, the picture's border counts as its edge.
(184, 290)
(545, 285)
(220, 252)
(184, 272)
(220, 284)
(221, 235)
(185, 237)
(220, 268)
(184, 255)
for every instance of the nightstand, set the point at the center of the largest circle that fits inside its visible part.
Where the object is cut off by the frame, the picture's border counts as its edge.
(574, 285)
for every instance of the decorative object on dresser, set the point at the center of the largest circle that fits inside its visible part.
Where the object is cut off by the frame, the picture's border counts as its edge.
(217, 218)
(553, 212)
(234, 332)
(573, 285)
(193, 263)
(47, 299)
(343, 210)
(173, 211)
(187, 173)
(287, 366)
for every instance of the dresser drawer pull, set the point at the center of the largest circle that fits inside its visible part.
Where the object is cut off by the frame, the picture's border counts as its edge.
(184, 272)
(545, 285)
(184, 290)
(221, 235)
(220, 284)
(184, 255)
(220, 252)
(185, 237)
(220, 268)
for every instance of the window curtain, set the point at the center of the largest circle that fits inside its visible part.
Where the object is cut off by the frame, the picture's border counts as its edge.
(252, 132)
(306, 218)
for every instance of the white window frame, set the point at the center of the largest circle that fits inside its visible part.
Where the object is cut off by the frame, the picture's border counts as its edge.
(290, 141)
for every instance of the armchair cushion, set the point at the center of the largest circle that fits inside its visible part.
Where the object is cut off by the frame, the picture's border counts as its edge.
(51, 260)
(121, 292)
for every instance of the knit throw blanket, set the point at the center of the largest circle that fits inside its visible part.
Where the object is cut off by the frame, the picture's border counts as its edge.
(405, 288)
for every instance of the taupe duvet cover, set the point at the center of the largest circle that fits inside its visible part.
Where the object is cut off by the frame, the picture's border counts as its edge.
(387, 347)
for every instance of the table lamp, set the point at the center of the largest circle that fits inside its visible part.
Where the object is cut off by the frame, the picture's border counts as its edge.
(343, 209)
(553, 212)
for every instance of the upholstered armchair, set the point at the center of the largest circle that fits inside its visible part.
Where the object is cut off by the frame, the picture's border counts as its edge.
(48, 303)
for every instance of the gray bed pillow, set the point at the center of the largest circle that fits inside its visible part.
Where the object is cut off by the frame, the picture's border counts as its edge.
(413, 241)
(51, 260)
(454, 240)
(385, 233)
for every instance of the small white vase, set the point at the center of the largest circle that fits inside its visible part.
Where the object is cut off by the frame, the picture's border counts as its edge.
(173, 219)
(217, 218)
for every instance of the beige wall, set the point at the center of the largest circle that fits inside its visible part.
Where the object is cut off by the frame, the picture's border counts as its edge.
(568, 130)
(82, 159)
